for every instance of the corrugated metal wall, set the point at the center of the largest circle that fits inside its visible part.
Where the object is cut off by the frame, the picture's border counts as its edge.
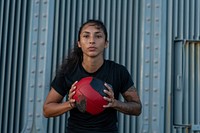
(157, 40)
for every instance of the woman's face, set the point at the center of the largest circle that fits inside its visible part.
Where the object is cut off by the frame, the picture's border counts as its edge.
(92, 40)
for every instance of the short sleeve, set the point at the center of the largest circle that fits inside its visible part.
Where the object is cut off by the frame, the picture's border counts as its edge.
(126, 80)
(59, 84)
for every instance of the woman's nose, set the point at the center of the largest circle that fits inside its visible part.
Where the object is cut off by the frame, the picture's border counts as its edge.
(92, 40)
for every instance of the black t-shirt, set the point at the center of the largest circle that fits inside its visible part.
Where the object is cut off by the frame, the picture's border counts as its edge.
(110, 72)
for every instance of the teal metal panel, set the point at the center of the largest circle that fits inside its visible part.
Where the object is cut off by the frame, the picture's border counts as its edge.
(13, 64)
(186, 86)
(36, 35)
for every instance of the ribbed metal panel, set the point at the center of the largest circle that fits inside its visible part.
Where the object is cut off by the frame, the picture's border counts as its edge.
(157, 40)
(185, 66)
(13, 59)
(186, 87)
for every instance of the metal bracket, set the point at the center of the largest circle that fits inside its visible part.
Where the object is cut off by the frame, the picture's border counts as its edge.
(195, 127)
(184, 41)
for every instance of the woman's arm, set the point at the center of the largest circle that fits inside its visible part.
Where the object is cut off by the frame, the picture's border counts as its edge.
(132, 104)
(53, 106)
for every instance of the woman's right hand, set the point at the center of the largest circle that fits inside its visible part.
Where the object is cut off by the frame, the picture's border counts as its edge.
(70, 95)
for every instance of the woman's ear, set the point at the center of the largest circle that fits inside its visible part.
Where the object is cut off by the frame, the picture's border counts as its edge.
(79, 45)
(106, 44)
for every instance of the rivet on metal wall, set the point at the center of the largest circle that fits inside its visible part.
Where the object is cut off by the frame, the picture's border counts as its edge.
(146, 118)
(42, 43)
(30, 114)
(154, 104)
(38, 129)
(32, 86)
(41, 71)
(146, 103)
(34, 43)
(146, 89)
(155, 90)
(33, 71)
(34, 57)
(154, 119)
(44, 15)
(157, 34)
(155, 76)
(39, 100)
(147, 61)
(37, 1)
(147, 46)
(144, 131)
(148, 33)
(38, 115)
(146, 75)
(45, 2)
(31, 100)
(28, 128)
(157, 20)
(42, 57)
(157, 5)
(148, 5)
(148, 19)
(156, 48)
(43, 29)
(156, 61)
(35, 29)
(36, 15)
(40, 86)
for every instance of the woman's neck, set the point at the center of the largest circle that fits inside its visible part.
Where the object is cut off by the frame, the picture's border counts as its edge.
(92, 65)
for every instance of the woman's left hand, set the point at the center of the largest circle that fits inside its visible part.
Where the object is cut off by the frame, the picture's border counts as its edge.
(110, 96)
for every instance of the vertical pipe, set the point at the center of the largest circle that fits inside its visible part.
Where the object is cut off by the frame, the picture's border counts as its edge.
(192, 18)
(180, 18)
(96, 9)
(21, 64)
(134, 37)
(197, 77)
(118, 29)
(123, 40)
(197, 20)
(191, 82)
(1, 22)
(105, 12)
(14, 70)
(175, 19)
(112, 41)
(8, 69)
(68, 44)
(186, 19)
(186, 110)
(3, 34)
(169, 77)
(177, 96)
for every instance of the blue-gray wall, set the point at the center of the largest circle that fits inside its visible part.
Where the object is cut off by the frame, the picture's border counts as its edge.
(157, 40)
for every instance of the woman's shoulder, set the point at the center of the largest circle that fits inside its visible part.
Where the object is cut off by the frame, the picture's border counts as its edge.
(114, 64)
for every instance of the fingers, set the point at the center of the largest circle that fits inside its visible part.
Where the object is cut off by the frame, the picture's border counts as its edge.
(110, 96)
(71, 93)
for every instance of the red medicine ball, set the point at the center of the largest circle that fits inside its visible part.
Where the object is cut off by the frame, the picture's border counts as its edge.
(89, 95)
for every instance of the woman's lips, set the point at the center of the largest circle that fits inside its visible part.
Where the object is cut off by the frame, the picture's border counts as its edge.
(92, 48)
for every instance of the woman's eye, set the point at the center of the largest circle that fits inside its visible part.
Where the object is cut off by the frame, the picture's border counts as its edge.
(85, 36)
(99, 36)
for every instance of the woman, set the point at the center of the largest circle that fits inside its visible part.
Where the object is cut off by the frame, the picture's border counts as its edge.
(87, 60)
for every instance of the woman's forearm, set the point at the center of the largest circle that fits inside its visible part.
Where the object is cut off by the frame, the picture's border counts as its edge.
(130, 108)
(56, 109)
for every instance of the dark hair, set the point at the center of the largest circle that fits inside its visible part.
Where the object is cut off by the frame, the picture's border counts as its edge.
(76, 55)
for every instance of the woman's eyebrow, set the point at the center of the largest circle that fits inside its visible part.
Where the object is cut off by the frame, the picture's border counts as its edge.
(87, 32)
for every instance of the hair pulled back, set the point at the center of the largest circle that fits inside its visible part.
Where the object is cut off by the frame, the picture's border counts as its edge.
(76, 55)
